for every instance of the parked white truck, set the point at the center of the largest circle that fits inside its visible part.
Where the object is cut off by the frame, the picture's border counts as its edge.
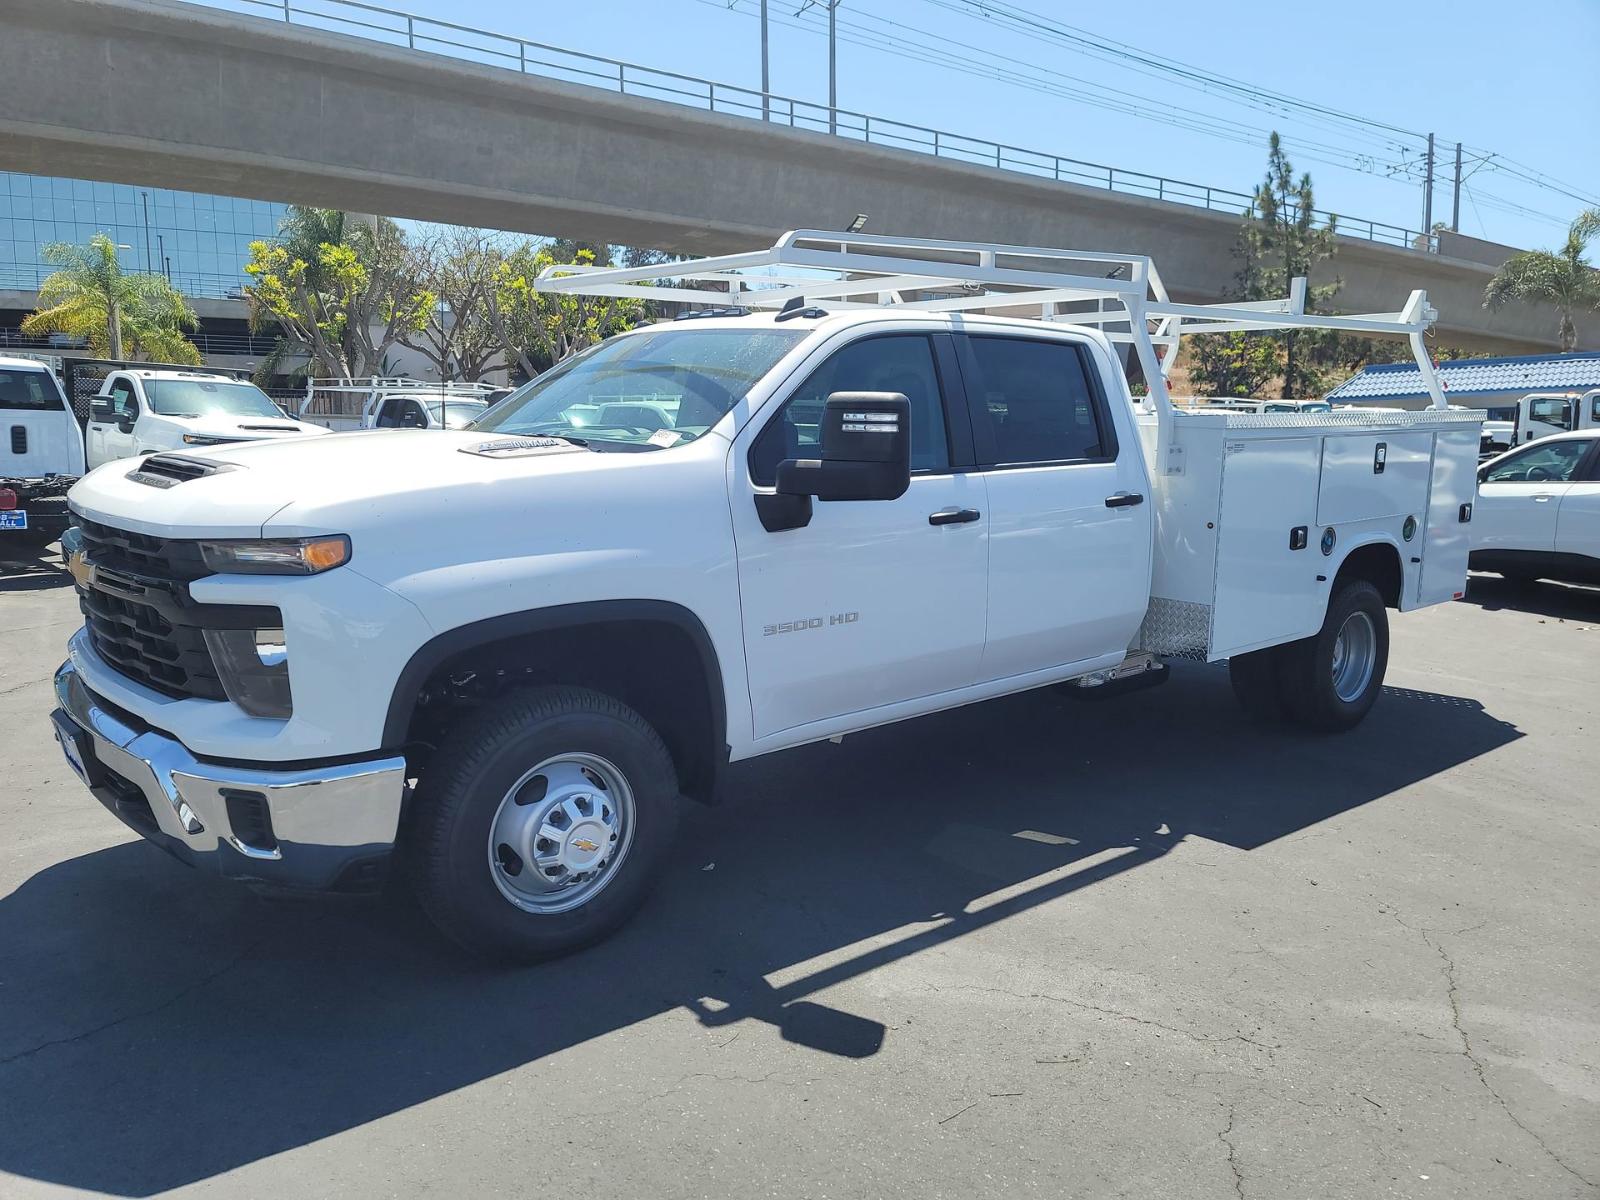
(341, 405)
(41, 451)
(140, 410)
(1545, 413)
(508, 651)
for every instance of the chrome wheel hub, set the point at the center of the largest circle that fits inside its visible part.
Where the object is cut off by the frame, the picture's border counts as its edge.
(560, 833)
(1355, 655)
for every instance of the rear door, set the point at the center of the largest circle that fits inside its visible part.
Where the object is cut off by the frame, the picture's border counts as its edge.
(1578, 520)
(1069, 513)
(38, 434)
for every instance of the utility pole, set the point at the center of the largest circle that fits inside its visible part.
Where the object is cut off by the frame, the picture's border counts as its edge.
(1427, 192)
(833, 66)
(1455, 208)
(766, 76)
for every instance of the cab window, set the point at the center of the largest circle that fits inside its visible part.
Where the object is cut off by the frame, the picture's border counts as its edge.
(1551, 412)
(32, 391)
(886, 363)
(1033, 402)
(1542, 462)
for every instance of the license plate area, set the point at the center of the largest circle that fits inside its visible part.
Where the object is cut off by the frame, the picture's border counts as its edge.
(13, 518)
(78, 750)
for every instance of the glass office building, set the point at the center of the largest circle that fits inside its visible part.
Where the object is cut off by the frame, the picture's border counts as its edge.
(200, 242)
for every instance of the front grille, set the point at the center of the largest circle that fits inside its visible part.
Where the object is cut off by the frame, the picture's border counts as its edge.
(139, 554)
(140, 616)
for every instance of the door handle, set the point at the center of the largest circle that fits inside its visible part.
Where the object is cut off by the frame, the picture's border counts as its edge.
(1124, 500)
(1541, 498)
(954, 516)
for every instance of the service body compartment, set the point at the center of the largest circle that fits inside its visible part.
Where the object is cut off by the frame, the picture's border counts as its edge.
(1366, 476)
(1269, 491)
(1247, 498)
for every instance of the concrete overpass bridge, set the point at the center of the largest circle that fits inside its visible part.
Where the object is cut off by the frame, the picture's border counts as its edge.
(170, 94)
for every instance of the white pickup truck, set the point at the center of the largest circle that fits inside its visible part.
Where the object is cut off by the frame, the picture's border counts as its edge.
(341, 405)
(141, 410)
(510, 650)
(41, 451)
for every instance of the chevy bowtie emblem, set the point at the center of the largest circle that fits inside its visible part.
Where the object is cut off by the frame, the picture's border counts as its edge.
(586, 845)
(81, 569)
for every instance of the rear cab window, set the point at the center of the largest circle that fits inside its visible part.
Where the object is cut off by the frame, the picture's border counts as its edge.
(1035, 401)
(26, 390)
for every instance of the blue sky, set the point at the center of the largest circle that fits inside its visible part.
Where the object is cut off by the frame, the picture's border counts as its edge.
(1518, 80)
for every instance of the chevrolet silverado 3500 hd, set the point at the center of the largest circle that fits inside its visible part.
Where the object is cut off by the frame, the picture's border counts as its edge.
(501, 655)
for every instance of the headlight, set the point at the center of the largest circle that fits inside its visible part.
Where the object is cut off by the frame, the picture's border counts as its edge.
(277, 556)
(199, 439)
(253, 665)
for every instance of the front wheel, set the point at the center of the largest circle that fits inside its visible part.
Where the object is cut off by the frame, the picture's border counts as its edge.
(1331, 680)
(542, 823)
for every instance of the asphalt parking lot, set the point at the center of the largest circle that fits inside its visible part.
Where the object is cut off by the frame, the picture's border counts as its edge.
(1035, 948)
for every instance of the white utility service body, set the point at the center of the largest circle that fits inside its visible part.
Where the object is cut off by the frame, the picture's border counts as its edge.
(144, 410)
(479, 584)
(41, 450)
(342, 405)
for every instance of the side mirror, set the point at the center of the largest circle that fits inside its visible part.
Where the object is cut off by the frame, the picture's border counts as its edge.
(866, 455)
(866, 451)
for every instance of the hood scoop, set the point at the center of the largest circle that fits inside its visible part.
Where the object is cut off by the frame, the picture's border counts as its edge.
(169, 470)
(520, 447)
(273, 428)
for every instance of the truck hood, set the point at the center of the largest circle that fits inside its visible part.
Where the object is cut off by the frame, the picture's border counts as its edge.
(218, 425)
(338, 483)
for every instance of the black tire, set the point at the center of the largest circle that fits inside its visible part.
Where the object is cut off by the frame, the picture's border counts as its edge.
(1305, 668)
(477, 766)
(1254, 677)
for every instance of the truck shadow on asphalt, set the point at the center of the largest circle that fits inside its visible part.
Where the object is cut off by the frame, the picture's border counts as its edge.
(158, 1028)
(1563, 601)
(31, 568)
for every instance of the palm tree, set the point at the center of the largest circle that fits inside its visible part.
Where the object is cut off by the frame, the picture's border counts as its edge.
(1560, 277)
(93, 298)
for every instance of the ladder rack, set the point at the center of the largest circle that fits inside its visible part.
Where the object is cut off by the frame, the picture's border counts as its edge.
(1122, 295)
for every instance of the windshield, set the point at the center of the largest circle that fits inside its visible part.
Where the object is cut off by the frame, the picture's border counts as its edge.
(652, 389)
(455, 414)
(206, 397)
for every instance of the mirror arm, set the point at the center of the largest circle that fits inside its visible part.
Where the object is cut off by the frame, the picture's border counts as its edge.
(779, 511)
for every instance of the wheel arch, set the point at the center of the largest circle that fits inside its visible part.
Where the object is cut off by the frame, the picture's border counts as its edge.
(1377, 560)
(678, 687)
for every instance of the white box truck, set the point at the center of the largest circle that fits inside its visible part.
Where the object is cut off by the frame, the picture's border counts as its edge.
(859, 497)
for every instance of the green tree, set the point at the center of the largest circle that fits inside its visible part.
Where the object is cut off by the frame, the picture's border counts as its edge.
(337, 288)
(1279, 240)
(457, 266)
(116, 312)
(1283, 242)
(1564, 278)
(539, 329)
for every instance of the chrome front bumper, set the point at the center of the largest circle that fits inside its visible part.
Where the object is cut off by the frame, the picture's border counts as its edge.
(322, 827)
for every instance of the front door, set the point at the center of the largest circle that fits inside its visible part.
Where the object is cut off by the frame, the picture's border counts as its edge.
(110, 433)
(1520, 496)
(1069, 506)
(874, 602)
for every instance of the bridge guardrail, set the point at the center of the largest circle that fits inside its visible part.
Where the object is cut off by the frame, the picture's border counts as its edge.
(528, 57)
